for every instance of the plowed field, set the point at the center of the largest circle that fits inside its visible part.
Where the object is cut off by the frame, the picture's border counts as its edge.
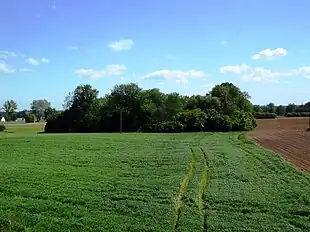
(287, 136)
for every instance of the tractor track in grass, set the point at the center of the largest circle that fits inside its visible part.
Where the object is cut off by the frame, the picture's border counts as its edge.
(203, 205)
(184, 187)
(202, 197)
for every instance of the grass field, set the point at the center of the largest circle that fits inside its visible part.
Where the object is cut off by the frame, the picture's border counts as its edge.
(147, 182)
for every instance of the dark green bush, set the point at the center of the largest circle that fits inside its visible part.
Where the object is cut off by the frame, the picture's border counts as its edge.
(2, 127)
(217, 122)
(30, 118)
(193, 120)
(243, 121)
(264, 115)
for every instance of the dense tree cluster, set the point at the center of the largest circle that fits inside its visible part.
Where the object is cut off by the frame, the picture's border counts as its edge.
(130, 108)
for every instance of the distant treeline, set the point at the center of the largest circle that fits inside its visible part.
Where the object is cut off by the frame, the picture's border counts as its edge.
(272, 111)
(36, 112)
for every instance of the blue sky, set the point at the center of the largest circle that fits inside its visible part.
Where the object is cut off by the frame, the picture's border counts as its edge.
(49, 47)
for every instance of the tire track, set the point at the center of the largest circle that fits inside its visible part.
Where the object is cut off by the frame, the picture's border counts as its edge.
(203, 206)
(183, 189)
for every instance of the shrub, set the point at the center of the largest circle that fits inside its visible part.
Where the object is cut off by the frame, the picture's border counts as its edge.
(30, 118)
(217, 122)
(264, 115)
(193, 120)
(166, 127)
(2, 127)
(243, 121)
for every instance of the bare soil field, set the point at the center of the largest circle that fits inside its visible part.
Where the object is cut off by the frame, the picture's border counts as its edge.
(287, 136)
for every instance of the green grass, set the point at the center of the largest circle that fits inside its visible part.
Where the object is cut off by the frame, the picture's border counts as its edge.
(147, 182)
(23, 128)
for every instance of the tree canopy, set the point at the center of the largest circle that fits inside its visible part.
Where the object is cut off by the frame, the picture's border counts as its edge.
(130, 108)
(9, 108)
(38, 107)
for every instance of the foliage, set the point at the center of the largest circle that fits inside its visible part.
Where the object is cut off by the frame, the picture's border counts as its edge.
(2, 127)
(264, 115)
(9, 108)
(38, 107)
(7, 225)
(130, 108)
(280, 110)
(298, 114)
(243, 121)
(30, 118)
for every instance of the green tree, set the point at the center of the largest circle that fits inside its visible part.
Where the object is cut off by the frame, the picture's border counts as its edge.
(280, 110)
(84, 109)
(271, 108)
(38, 107)
(68, 101)
(231, 98)
(290, 108)
(9, 108)
(30, 118)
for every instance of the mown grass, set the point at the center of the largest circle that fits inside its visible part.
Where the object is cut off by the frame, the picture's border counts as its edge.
(147, 182)
(23, 128)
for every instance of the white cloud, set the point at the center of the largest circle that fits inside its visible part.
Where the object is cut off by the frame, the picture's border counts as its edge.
(121, 45)
(26, 70)
(72, 48)
(224, 42)
(207, 86)
(6, 54)
(270, 54)
(262, 74)
(110, 70)
(238, 69)
(5, 68)
(53, 7)
(37, 62)
(179, 76)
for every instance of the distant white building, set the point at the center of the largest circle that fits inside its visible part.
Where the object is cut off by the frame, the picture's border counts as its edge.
(2, 119)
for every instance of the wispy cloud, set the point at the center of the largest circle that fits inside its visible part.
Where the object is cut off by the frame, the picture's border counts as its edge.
(37, 62)
(178, 76)
(269, 54)
(7, 54)
(121, 45)
(207, 86)
(73, 48)
(53, 7)
(224, 42)
(5, 68)
(110, 70)
(262, 74)
(26, 70)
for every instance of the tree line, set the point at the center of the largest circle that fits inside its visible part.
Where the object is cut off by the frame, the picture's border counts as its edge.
(130, 108)
(36, 112)
(272, 111)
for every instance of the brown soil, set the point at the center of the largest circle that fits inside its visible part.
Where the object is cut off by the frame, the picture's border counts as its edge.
(288, 136)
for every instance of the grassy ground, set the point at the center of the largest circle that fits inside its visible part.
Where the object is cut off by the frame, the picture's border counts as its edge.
(147, 182)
